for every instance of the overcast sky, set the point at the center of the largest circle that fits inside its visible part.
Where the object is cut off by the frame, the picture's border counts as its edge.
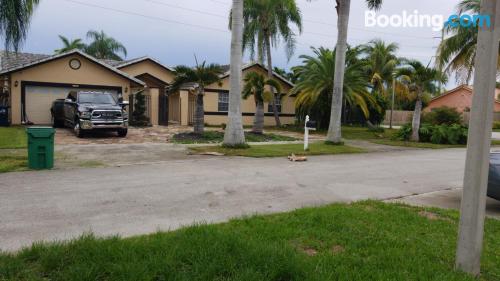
(173, 31)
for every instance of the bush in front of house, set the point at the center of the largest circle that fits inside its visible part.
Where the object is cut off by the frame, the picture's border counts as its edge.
(139, 117)
(496, 125)
(443, 116)
(437, 134)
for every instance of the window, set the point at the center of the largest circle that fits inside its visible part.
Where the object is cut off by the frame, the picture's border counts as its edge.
(223, 102)
(277, 99)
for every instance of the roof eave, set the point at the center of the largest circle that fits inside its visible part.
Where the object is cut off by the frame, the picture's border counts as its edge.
(58, 56)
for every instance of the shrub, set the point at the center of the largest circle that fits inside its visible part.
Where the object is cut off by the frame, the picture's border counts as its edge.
(438, 134)
(496, 125)
(404, 133)
(139, 117)
(443, 115)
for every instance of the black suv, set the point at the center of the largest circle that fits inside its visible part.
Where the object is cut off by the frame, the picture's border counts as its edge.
(88, 110)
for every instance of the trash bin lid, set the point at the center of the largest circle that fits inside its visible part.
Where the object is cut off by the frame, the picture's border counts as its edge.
(40, 132)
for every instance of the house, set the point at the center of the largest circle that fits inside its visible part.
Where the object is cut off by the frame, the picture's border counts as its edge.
(216, 102)
(459, 98)
(34, 81)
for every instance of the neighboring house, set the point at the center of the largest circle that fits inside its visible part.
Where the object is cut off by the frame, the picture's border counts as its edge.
(459, 98)
(35, 80)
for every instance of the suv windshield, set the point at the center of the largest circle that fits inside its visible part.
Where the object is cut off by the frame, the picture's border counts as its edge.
(96, 97)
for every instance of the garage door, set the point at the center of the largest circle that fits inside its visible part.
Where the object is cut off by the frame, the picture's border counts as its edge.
(39, 100)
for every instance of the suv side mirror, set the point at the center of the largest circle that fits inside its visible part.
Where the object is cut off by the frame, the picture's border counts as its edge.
(124, 103)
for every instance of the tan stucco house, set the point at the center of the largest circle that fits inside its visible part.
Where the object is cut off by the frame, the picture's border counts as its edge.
(459, 98)
(34, 81)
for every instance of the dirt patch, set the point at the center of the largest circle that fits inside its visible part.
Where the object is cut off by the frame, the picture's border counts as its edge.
(432, 216)
(337, 249)
(309, 251)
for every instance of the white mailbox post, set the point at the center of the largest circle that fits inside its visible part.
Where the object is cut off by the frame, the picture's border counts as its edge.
(309, 125)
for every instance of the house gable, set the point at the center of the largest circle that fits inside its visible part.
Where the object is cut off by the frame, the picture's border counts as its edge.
(151, 67)
(50, 60)
(225, 79)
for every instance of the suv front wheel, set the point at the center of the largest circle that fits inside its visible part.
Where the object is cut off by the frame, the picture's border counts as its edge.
(122, 133)
(78, 130)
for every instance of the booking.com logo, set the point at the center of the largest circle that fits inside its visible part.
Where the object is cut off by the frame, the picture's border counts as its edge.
(415, 19)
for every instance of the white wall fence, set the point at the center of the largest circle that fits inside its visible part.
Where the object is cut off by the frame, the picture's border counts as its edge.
(401, 117)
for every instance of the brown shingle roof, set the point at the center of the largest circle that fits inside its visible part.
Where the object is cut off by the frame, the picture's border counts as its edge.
(10, 60)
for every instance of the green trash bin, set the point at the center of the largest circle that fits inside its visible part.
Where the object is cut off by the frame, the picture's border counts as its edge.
(40, 147)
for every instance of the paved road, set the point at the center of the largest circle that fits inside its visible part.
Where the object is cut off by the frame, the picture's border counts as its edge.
(140, 199)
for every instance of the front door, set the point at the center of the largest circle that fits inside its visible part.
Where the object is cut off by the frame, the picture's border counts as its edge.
(163, 109)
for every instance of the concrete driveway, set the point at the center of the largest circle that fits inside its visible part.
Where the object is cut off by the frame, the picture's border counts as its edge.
(139, 199)
(449, 199)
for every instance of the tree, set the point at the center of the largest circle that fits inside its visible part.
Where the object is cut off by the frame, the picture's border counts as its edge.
(419, 79)
(139, 117)
(315, 80)
(15, 16)
(70, 45)
(343, 9)
(198, 78)
(290, 76)
(104, 47)
(267, 22)
(381, 64)
(234, 135)
(457, 53)
(255, 85)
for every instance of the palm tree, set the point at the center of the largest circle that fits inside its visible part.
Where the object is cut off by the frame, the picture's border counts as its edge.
(70, 45)
(15, 16)
(381, 63)
(267, 22)
(255, 85)
(343, 9)
(315, 80)
(197, 78)
(234, 135)
(290, 76)
(104, 47)
(419, 79)
(457, 52)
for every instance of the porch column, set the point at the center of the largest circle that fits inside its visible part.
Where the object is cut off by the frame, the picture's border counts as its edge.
(470, 238)
(184, 101)
(154, 94)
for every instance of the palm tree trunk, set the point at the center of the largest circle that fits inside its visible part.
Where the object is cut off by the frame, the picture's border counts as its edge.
(199, 114)
(234, 134)
(258, 125)
(334, 129)
(270, 76)
(415, 124)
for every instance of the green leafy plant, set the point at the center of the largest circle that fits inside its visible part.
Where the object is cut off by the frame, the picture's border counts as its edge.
(438, 134)
(443, 115)
(139, 117)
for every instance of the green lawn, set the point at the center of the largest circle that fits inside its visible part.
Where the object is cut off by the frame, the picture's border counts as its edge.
(360, 241)
(13, 160)
(416, 144)
(363, 133)
(12, 137)
(278, 150)
(218, 137)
